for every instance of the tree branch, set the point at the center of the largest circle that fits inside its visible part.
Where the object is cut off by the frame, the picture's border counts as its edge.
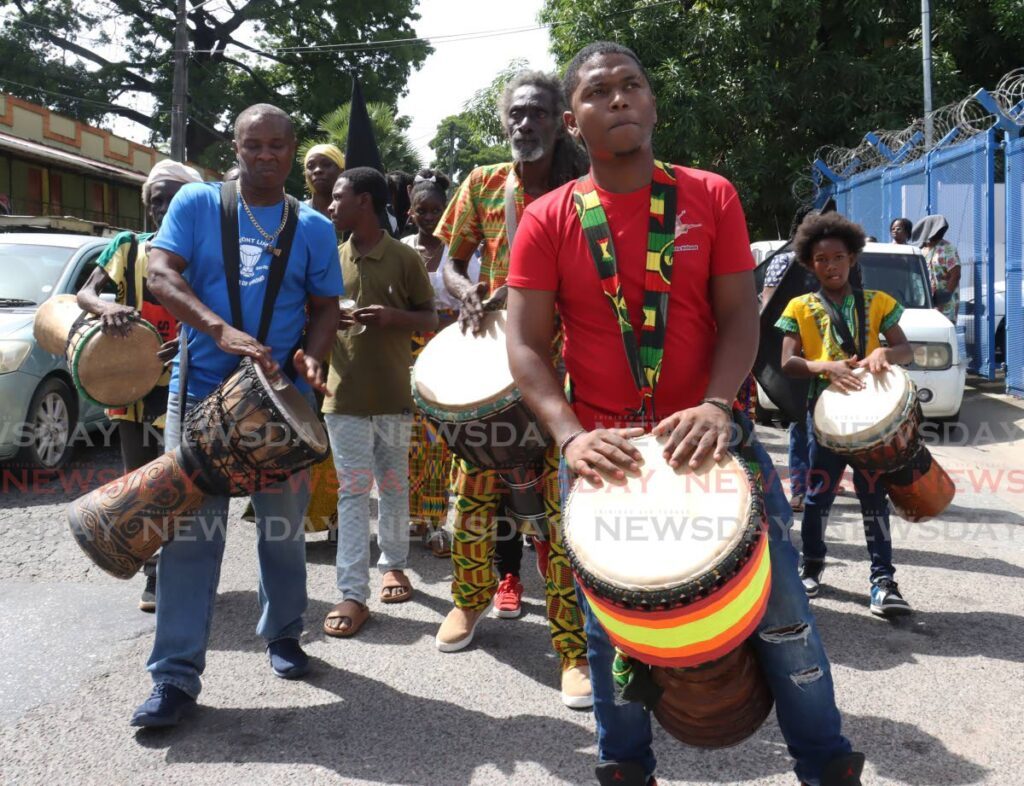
(255, 76)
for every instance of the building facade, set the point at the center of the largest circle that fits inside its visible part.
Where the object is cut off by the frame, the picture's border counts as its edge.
(51, 165)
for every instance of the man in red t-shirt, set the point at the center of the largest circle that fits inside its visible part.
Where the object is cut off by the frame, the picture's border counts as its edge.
(710, 339)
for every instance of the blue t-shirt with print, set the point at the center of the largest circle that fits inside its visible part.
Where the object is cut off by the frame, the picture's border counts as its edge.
(191, 229)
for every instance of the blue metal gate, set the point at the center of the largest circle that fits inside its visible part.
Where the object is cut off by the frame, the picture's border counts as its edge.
(1013, 336)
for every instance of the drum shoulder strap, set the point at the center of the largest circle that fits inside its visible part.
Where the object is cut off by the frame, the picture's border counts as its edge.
(511, 213)
(131, 295)
(229, 248)
(850, 346)
(232, 261)
(277, 268)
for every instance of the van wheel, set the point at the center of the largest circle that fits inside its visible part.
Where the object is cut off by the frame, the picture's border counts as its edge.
(51, 422)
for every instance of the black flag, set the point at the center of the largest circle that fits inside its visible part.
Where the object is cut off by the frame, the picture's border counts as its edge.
(361, 147)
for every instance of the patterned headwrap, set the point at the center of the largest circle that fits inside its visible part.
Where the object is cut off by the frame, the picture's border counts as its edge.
(169, 170)
(331, 151)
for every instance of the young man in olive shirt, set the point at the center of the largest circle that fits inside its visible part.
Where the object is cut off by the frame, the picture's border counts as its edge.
(369, 405)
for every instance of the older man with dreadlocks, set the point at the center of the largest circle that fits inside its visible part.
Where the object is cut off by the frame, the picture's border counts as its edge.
(485, 211)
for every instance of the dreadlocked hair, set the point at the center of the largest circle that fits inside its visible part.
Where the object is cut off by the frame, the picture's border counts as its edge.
(569, 161)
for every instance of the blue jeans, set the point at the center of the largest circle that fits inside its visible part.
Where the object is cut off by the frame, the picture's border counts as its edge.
(189, 570)
(789, 649)
(827, 470)
(799, 458)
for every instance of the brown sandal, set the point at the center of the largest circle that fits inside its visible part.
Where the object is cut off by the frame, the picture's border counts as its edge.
(396, 587)
(352, 622)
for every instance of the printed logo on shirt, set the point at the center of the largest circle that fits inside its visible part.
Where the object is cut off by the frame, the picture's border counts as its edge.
(250, 270)
(686, 247)
(682, 227)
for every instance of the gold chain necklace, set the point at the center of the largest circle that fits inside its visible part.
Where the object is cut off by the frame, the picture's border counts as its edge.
(270, 238)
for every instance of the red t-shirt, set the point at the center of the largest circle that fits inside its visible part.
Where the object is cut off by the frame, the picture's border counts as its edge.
(550, 253)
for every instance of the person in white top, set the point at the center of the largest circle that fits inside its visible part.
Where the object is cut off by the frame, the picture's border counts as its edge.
(429, 457)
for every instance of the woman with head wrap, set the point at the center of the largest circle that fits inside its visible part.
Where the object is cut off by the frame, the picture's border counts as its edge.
(430, 461)
(123, 267)
(943, 263)
(321, 166)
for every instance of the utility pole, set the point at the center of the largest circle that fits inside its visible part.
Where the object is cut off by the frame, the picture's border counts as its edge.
(179, 92)
(926, 62)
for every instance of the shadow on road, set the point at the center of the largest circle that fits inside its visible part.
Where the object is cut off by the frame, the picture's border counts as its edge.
(988, 566)
(861, 641)
(376, 732)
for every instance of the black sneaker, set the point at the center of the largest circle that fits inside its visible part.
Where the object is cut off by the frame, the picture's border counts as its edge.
(147, 601)
(165, 706)
(886, 600)
(810, 576)
(621, 773)
(844, 771)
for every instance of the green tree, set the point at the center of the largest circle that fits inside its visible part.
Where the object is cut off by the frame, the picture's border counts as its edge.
(390, 131)
(751, 88)
(458, 148)
(294, 54)
(475, 136)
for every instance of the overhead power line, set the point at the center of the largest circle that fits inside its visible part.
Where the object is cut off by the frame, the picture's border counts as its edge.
(391, 43)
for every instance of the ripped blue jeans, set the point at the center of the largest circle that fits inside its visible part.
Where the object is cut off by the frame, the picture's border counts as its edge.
(790, 651)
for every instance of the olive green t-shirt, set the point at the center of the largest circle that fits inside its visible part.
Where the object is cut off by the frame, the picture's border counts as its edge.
(369, 372)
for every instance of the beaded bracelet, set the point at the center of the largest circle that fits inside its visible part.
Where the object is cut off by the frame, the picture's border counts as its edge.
(568, 441)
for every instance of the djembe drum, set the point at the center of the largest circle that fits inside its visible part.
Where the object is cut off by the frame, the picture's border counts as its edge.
(462, 384)
(876, 429)
(675, 566)
(249, 433)
(112, 371)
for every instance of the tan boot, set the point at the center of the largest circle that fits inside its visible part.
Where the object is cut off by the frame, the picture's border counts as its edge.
(456, 632)
(576, 690)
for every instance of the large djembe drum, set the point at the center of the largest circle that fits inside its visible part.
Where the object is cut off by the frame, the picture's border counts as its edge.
(877, 429)
(249, 433)
(112, 371)
(462, 383)
(675, 566)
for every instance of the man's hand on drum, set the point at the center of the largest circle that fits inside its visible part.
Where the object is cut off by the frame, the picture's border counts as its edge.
(604, 454)
(694, 434)
(311, 369)
(167, 351)
(116, 319)
(877, 362)
(840, 373)
(472, 310)
(237, 342)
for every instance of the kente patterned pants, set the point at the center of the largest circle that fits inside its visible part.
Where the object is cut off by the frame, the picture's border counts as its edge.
(430, 460)
(430, 463)
(480, 496)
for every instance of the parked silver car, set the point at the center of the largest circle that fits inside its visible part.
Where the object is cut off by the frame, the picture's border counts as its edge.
(41, 414)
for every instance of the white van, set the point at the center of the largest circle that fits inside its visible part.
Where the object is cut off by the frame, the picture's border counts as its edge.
(939, 368)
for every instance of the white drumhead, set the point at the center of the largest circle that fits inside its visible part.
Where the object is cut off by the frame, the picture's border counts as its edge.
(460, 371)
(663, 528)
(861, 416)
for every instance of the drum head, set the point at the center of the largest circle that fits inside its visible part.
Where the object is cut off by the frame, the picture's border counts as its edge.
(53, 322)
(295, 410)
(861, 417)
(115, 371)
(457, 372)
(664, 528)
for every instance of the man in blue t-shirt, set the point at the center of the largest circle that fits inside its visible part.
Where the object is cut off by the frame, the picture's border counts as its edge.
(187, 274)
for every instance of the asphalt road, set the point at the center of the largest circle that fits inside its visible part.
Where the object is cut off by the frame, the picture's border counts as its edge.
(935, 699)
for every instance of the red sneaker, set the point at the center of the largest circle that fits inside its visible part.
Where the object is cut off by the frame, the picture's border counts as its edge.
(508, 600)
